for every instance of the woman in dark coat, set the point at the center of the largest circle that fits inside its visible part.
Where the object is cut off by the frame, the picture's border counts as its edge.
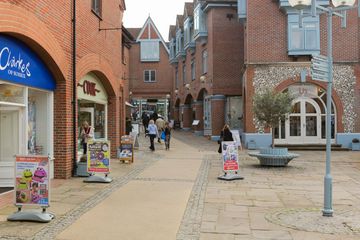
(225, 135)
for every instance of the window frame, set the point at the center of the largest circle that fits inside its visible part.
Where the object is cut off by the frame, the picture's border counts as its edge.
(184, 74)
(205, 59)
(193, 70)
(144, 58)
(98, 12)
(151, 74)
(310, 24)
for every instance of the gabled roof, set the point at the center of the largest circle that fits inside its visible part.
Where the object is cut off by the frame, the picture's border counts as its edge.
(188, 9)
(150, 32)
(172, 32)
(180, 21)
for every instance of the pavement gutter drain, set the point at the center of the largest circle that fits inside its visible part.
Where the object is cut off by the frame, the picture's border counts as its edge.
(190, 225)
(56, 226)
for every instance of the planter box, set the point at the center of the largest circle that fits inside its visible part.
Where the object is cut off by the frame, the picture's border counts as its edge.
(355, 146)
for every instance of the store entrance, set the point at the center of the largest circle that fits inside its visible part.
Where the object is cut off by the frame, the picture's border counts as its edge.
(9, 143)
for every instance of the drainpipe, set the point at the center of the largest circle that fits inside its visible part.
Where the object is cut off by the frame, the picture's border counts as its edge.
(74, 84)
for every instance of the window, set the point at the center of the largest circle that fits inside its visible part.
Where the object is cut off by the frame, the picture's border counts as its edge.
(305, 40)
(149, 76)
(184, 74)
(176, 78)
(96, 7)
(204, 61)
(200, 25)
(149, 51)
(179, 41)
(193, 69)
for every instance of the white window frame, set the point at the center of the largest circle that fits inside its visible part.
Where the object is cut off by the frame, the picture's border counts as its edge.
(151, 73)
(205, 57)
(152, 55)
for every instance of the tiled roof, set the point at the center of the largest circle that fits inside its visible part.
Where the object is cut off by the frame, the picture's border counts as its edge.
(189, 9)
(172, 32)
(134, 31)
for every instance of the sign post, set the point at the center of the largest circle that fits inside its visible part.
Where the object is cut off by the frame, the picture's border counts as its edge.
(32, 188)
(98, 161)
(230, 161)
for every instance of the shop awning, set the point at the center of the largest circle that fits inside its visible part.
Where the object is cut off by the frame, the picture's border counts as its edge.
(129, 104)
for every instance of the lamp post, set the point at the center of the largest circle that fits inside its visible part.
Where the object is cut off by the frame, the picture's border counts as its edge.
(167, 104)
(340, 7)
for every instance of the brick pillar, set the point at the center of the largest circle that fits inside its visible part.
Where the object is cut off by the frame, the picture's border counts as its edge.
(217, 114)
(114, 124)
(199, 115)
(186, 113)
(176, 114)
(63, 135)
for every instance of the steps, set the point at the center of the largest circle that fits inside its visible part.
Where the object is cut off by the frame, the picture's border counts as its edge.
(312, 147)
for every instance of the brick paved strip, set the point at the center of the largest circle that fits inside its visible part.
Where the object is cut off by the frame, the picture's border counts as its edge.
(190, 225)
(57, 225)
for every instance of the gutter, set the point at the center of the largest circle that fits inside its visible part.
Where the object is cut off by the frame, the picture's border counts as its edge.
(73, 44)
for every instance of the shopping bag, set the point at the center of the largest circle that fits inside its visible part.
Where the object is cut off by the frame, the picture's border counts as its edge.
(162, 135)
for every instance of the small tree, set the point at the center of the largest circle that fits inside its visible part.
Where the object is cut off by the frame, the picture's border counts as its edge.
(270, 108)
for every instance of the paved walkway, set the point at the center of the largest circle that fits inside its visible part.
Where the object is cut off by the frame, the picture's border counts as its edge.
(176, 195)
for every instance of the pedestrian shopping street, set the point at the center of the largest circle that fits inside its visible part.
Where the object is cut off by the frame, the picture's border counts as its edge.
(176, 195)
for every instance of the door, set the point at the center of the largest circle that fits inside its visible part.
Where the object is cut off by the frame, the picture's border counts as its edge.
(9, 144)
(304, 123)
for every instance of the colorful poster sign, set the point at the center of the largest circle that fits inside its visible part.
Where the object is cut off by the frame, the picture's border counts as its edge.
(230, 156)
(98, 157)
(126, 151)
(32, 180)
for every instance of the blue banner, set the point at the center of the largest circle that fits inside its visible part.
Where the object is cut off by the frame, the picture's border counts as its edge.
(20, 65)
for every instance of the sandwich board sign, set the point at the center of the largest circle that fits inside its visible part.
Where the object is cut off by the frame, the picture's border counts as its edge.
(32, 188)
(230, 161)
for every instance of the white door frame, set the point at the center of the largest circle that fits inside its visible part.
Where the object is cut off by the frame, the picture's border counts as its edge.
(7, 167)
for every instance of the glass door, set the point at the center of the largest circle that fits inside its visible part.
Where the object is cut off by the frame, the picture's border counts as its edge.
(304, 123)
(9, 143)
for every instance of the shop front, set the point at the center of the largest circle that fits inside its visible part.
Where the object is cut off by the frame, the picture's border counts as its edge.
(92, 107)
(26, 106)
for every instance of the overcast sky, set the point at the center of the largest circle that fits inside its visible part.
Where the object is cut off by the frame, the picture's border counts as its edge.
(162, 12)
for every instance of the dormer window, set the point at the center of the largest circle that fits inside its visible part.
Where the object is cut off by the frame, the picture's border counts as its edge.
(200, 25)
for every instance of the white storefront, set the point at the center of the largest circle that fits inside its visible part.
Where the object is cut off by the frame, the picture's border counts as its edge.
(26, 106)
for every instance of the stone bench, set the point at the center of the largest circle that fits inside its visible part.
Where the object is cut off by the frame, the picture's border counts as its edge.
(274, 156)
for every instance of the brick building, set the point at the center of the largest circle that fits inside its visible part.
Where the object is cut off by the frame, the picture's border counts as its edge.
(277, 51)
(206, 52)
(224, 51)
(150, 71)
(37, 82)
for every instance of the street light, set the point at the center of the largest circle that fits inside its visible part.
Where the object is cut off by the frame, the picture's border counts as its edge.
(340, 10)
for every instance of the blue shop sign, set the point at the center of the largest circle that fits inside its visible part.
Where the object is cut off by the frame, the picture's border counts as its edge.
(20, 65)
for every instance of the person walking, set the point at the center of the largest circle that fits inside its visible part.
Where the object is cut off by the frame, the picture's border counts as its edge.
(160, 124)
(167, 131)
(145, 121)
(225, 135)
(86, 134)
(153, 133)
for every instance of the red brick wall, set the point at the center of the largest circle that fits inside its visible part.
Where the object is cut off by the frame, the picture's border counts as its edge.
(163, 84)
(267, 34)
(217, 115)
(226, 50)
(45, 26)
